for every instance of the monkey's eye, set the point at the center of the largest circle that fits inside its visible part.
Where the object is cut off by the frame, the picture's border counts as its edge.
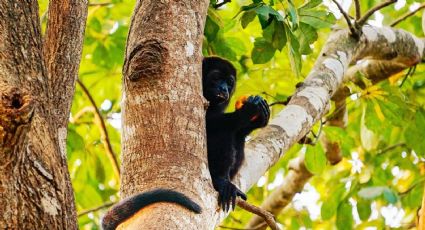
(230, 81)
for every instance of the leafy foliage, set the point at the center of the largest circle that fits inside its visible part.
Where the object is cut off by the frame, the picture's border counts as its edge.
(273, 44)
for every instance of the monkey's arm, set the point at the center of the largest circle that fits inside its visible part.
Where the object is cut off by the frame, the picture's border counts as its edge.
(129, 206)
(232, 122)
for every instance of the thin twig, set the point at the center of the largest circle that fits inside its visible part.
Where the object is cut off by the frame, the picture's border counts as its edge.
(218, 5)
(104, 133)
(85, 212)
(79, 114)
(267, 216)
(358, 11)
(319, 132)
(369, 13)
(389, 148)
(347, 18)
(409, 73)
(278, 103)
(406, 15)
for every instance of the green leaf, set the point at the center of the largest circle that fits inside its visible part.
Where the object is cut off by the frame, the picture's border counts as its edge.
(413, 199)
(368, 138)
(311, 4)
(279, 36)
(294, 53)
(315, 159)
(331, 204)
(364, 209)
(308, 35)
(251, 6)
(247, 18)
(264, 11)
(341, 137)
(269, 31)
(275, 34)
(371, 192)
(317, 19)
(414, 133)
(344, 217)
(293, 14)
(263, 51)
(267, 12)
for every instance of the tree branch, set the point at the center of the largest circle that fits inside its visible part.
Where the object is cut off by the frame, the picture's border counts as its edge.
(62, 50)
(347, 19)
(293, 182)
(293, 122)
(104, 133)
(406, 15)
(267, 216)
(358, 10)
(369, 13)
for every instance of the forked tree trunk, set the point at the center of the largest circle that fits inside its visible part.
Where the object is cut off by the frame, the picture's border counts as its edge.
(35, 99)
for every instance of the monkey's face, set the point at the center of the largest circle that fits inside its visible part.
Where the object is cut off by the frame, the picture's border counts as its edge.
(218, 87)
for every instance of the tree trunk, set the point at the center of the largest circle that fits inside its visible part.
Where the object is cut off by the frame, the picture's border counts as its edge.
(163, 142)
(35, 189)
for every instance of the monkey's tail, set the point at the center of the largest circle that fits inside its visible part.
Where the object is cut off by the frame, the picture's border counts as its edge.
(129, 206)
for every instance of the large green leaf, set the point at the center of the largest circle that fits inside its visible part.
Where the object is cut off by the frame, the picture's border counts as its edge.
(263, 51)
(315, 159)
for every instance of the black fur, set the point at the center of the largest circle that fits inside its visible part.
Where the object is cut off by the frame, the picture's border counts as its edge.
(129, 206)
(226, 132)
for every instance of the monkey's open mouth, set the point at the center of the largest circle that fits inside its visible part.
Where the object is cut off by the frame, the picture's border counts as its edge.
(222, 97)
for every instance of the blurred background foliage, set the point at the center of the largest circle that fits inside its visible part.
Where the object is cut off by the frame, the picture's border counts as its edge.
(273, 43)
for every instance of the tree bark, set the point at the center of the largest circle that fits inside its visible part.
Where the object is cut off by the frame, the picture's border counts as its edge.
(163, 138)
(35, 189)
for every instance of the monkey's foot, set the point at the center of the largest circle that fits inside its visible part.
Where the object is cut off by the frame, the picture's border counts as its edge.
(227, 192)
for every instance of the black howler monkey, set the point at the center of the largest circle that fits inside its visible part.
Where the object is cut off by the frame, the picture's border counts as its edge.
(226, 132)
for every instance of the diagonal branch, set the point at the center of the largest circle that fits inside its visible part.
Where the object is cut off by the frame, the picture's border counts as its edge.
(310, 101)
(62, 50)
(369, 13)
(267, 216)
(406, 15)
(347, 19)
(104, 133)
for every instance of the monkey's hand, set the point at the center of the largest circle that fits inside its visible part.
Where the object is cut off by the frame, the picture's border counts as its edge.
(250, 109)
(227, 192)
(258, 112)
